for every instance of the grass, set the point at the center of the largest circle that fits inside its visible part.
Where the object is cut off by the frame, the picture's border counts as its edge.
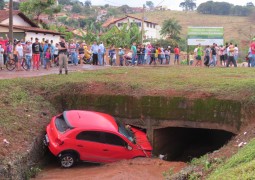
(240, 166)
(234, 27)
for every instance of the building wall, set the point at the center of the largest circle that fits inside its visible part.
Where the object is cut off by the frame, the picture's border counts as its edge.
(40, 36)
(17, 20)
(151, 30)
(6, 30)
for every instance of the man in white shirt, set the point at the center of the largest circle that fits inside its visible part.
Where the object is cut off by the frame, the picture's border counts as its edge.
(101, 53)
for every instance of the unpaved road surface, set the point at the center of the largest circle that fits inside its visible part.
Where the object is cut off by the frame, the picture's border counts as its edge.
(5, 74)
(135, 169)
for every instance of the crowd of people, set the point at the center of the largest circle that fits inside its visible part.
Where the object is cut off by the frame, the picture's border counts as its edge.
(45, 54)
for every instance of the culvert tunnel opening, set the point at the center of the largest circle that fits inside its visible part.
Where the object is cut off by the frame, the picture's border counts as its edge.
(184, 144)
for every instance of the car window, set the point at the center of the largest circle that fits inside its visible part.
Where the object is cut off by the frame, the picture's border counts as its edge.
(93, 136)
(113, 140)
(61, 124)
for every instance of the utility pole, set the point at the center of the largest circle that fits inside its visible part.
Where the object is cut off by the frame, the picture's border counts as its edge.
(11, 21)
(143, 23)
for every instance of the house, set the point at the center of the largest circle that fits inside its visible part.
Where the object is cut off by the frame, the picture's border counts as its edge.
(24, 28)
(152, 29)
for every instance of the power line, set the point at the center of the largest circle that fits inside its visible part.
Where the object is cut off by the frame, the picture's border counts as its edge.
(160, 3)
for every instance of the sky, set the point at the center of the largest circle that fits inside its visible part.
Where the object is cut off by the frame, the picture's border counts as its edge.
(172, 4)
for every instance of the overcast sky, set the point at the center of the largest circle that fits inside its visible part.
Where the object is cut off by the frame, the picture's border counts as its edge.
(172, 4)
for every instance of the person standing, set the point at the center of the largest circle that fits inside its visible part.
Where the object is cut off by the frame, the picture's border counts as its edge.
(1, 57)
(101, 52)
(167, 55)
(112, 55)
(45, 47)
(121, 56)
(199, 56)
(72, 48)
(236, 52)
(63, 55)
(94, 50)
(177, 55)
(207, 56)
(28, 54)
(3, 43)
(36, 49)
(134, 53)
(20, 53)
(231, 55)
(252, 54)
(213, 55)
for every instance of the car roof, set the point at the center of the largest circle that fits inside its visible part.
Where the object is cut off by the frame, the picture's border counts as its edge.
(90, 120)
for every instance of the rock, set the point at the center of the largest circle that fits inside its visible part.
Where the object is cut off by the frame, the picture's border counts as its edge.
(6, 142)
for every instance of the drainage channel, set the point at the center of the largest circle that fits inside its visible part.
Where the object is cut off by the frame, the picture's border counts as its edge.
(184, 144)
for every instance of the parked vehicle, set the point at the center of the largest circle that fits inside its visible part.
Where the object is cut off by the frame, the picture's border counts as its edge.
(93, 137)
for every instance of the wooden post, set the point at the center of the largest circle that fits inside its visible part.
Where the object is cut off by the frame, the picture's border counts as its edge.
(11, 22)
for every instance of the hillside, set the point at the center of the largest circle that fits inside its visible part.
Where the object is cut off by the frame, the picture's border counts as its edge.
(235, 28)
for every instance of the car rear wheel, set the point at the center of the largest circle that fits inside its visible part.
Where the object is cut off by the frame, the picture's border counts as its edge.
(67, 160)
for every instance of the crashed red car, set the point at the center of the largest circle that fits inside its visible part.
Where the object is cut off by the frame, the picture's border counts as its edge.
(93, 137)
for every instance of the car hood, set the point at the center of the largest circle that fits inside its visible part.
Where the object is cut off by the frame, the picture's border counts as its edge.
(141, 139)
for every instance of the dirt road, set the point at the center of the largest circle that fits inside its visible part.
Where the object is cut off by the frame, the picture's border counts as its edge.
(135, 169)
(5, 74)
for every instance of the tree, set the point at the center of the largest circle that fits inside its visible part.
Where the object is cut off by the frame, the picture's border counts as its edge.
(249, 4)
(1, 4)
(16, 5)
(34, 8)
(87, 3)
(76, 8)
(171, 29)
(188, 5)
(150, 4)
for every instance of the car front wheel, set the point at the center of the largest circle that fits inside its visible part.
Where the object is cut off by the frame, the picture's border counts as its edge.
(67, 160)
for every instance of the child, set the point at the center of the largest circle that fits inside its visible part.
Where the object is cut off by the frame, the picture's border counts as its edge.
(1, 57)
(47, 58)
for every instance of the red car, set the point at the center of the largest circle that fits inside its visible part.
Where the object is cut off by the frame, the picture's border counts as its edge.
(93, 137)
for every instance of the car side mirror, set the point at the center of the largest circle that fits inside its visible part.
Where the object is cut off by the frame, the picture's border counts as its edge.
(129, 148)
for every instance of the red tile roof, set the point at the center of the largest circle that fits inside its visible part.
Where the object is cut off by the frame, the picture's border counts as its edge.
(110, 21)
(33, 29)
(5, 15)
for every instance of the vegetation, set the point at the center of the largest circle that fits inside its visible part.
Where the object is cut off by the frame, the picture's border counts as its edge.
(123, 37)
(171, 29)
(188, 5)
(34, 8)
(1, 4)
(224, 8)
(240, 166)
(150, 4)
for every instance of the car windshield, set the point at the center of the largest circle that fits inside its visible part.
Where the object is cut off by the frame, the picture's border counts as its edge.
(126, 132)
(61, 124)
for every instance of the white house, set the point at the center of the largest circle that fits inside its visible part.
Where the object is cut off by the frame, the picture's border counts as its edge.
(24, 28)
(152, 29)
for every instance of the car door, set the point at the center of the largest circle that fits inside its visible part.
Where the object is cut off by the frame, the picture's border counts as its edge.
(115, 148)
(89, 145)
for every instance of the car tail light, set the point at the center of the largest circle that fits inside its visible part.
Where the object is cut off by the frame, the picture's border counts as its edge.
(59, 142)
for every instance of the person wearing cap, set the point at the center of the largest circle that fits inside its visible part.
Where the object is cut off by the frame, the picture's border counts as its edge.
(36, 49)
(121, 56)
(252, 46)
(28, 53)
(63, 60)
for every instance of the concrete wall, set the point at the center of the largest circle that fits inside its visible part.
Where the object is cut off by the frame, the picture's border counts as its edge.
(154, 112)
(55, 38)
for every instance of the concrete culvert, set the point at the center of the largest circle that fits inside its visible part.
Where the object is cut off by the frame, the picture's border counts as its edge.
(183, 144)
